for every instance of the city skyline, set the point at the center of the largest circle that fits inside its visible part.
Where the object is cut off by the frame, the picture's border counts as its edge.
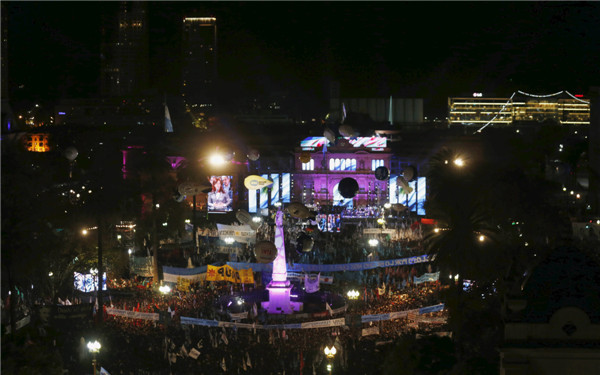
(431, 50)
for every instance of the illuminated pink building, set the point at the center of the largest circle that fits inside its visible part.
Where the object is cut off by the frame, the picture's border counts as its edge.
(316, 181)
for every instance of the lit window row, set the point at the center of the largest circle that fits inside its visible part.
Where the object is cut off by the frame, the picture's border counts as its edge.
(310, 166)
(376, 164)
(342, 164)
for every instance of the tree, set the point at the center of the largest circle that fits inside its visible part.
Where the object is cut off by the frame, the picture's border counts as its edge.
(157, 183)
(422, 356)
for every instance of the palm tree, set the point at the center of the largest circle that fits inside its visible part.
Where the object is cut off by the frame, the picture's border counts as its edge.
(465, 242)
(157, 182)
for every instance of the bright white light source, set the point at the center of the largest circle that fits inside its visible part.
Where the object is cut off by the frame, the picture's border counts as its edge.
(217, 160)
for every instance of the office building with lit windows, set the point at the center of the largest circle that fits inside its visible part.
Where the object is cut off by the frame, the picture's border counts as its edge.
(125, 52)
(479, 111)
(199, 70)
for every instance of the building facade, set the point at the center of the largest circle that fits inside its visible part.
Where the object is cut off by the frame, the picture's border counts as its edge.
(125, 64)
(562, 107)
(316, 181)
(199, 70)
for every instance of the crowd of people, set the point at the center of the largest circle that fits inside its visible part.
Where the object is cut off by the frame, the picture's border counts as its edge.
(172, 347)
(165, 346)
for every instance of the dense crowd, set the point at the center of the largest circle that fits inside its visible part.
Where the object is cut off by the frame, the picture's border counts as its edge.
(158, 347)
(166, 346)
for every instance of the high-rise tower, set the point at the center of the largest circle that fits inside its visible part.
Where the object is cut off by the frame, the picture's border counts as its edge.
(125, 68)
(199, 70)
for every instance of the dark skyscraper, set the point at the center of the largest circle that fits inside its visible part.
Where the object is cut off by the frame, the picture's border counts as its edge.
(3, 60)
(125, 54)
(199, 73)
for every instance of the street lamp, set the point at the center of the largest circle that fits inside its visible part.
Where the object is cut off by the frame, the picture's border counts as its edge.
(94, 348)
(330, 352)
(352, 294)
(164, 289)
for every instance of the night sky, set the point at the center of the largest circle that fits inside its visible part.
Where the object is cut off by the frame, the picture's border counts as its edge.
(431, 50)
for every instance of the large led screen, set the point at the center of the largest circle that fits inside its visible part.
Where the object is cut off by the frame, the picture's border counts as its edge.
(415, 200)
(278, 191)
(220, 198)
(88, 282)
(329, 223)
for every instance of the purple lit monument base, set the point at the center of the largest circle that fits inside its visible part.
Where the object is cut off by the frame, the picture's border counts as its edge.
(279, 288)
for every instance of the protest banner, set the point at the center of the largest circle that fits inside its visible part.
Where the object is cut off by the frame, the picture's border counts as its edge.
(228, 273)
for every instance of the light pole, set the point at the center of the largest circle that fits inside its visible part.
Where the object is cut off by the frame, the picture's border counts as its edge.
(94, 348)
(330, 354)
(99, 295)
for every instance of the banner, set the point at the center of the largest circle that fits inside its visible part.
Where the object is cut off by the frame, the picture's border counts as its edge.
(427, 277)
(315, 268)
(228, 273)
(20, 324)
(370, 331)
(379, 231)
(240, 233)
(239, 316)
(174, 274)
(430, 309)
(141, 266)
(132, 314)
(324, 323)
(306, 325)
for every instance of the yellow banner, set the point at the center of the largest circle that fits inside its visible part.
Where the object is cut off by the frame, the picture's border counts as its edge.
(228, 273)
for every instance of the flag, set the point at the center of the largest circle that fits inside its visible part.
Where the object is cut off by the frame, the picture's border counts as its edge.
(311, 283)
(390, 117)
(194, 353)
(103, 371)
(248, 363)
(223, 365)
(343, 113)
(168, 123)
(224, 338)
(184, 352)
(328, 308)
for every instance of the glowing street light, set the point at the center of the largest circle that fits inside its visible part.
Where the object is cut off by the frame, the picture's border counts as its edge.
(459, 162)
(352, 294)
(481, 238)
(164, 289)
(94, 348)
(330, 352)
(373, 242)
(216, 160)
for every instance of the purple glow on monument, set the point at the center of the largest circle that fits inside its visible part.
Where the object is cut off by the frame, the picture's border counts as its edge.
(279, 288)
(279, 264)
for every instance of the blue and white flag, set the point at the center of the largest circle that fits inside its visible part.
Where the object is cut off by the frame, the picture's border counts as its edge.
(311, 283)
(434, 276)
(168, 123)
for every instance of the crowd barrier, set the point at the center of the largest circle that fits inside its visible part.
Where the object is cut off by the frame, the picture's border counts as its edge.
(305, 325)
